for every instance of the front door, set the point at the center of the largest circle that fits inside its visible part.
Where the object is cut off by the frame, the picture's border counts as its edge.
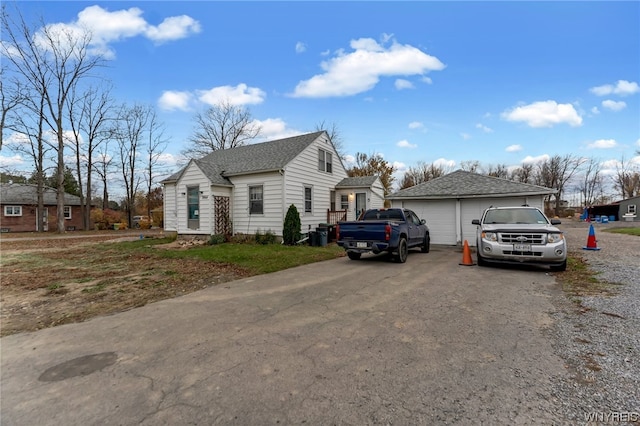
(361, 203)
(45, 219)
(193, 207)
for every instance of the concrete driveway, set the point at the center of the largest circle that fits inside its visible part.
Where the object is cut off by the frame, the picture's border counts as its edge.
(337, 342)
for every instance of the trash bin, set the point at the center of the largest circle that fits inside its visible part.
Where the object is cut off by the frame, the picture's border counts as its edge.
(313, 239)
(323, 233)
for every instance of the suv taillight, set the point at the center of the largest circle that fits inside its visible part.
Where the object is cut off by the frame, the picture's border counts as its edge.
(387, 232)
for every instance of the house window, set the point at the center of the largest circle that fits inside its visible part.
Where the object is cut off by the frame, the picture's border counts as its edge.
(67, 212)
(631, 209)
(255, 200)
(193, 207)
(325, 161)
(344, 202)
(308, 194)
(13, 210)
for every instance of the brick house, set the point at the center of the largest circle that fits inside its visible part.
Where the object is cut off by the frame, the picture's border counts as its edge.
(19, 209)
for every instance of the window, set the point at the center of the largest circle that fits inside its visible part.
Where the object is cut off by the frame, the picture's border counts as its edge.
(67, 212)
(631, 209)
(255, 200)
(325, 161)
(344, 202)
(193, 207)
(13, 210)
(308, 191)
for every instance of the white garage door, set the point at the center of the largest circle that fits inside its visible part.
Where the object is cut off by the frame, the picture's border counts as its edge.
(473, 208)
(440, 217)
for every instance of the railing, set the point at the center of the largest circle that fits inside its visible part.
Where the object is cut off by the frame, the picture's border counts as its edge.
(335, 216)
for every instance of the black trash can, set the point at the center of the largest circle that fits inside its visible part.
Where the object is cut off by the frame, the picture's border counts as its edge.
(313, 238)
(323, 234)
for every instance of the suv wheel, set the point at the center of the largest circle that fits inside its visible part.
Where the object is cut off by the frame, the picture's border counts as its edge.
(353, 255)
(560, 268)
(425, 244)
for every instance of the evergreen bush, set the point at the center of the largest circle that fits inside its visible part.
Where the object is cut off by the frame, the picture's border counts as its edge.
(291, 229)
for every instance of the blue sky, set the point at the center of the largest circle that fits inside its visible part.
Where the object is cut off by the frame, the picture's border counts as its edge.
(444, 82)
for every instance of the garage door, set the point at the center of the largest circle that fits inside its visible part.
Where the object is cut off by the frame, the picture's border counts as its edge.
(473, 208)
(440, 217)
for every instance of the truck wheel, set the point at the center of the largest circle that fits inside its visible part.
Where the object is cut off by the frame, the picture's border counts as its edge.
(403, 251)
(425, 244)
(354, 256)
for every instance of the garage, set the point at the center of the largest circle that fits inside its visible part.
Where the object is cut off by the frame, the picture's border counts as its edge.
(449, 203)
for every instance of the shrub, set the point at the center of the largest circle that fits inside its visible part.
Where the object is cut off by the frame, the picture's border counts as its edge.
(240, 238)
(291, 229)
(104, 219)
(269, 237)
(216, 239)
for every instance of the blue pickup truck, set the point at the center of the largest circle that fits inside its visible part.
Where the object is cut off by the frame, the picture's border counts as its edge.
(384, 230)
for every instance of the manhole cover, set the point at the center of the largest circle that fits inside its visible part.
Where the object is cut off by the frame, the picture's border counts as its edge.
(81, 366)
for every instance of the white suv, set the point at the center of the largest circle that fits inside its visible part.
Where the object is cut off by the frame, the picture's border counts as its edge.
(520, 235)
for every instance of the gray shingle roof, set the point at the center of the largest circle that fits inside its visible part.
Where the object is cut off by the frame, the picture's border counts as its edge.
(21, 194)
(463, 184)
(357, 182)
(265, 156)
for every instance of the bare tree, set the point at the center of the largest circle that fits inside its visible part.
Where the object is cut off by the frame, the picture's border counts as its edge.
(627, 179)
(335, 135)
(12, 94)
(421, 173)
(156, 143)
(555, 173)
(221, 126)
(131, 126)
(53, 60)
(103, 166)
(523, 174)
(591, 181)
(470, 166)
(89, 119)
(499, 171)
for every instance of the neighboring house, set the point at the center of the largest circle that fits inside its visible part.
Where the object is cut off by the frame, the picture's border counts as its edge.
(449, 203)
(20, 209)
(625, 210)
(250, 188)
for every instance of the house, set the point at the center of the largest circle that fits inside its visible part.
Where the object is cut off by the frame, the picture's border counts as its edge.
(449, 203)
(624, 210)
(250, 188)
(20, 209)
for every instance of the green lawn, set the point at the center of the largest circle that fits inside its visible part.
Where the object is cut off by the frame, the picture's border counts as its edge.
(258, 258)
(628, 231)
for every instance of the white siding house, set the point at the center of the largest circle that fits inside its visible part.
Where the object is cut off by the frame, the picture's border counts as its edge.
(449, 203)
(250, 188)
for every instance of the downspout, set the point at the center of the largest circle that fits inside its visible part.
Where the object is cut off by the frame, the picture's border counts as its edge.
(458, 222)
(284, 201)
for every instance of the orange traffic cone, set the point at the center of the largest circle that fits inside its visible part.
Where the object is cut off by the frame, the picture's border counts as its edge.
(466, 255)
(592, 243)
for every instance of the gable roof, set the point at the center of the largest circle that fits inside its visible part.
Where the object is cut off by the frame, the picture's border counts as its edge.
(463, 184)
(357, 182)
(255, 158)
(22, 193)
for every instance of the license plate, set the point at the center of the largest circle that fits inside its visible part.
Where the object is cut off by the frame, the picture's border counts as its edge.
(360, 244)
(522, 247)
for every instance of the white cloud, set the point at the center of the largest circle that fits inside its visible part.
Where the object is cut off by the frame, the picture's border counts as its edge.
(300, 47)
(621, 88)
(172, 100)
(603, 144)
(444, 163)
(465, 136)
(13, 161)
(544, 114)
(427, 80)
(638, 142)
(405, 144)
(416, 125)
(514, 148)
(399, 166)
(614, 105)
(238, 95)
(401, 84)
(356, 72)
(533, 160)
(349, 159)
(484, 128)
(595, 110)
(275, 128)
(109, 27)
(167, 159)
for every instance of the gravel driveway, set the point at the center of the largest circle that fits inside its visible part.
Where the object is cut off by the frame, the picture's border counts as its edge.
(599, 336)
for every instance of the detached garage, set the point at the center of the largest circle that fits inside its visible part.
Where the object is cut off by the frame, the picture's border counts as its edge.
(449, 203)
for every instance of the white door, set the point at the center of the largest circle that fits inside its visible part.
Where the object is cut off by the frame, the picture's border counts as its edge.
(440, 217)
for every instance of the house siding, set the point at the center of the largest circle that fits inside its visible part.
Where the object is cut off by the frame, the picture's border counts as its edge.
(170, 212)
(272, 217)
(303, 171)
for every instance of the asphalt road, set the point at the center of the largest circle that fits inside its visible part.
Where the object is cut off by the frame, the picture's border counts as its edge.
(336, 342)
